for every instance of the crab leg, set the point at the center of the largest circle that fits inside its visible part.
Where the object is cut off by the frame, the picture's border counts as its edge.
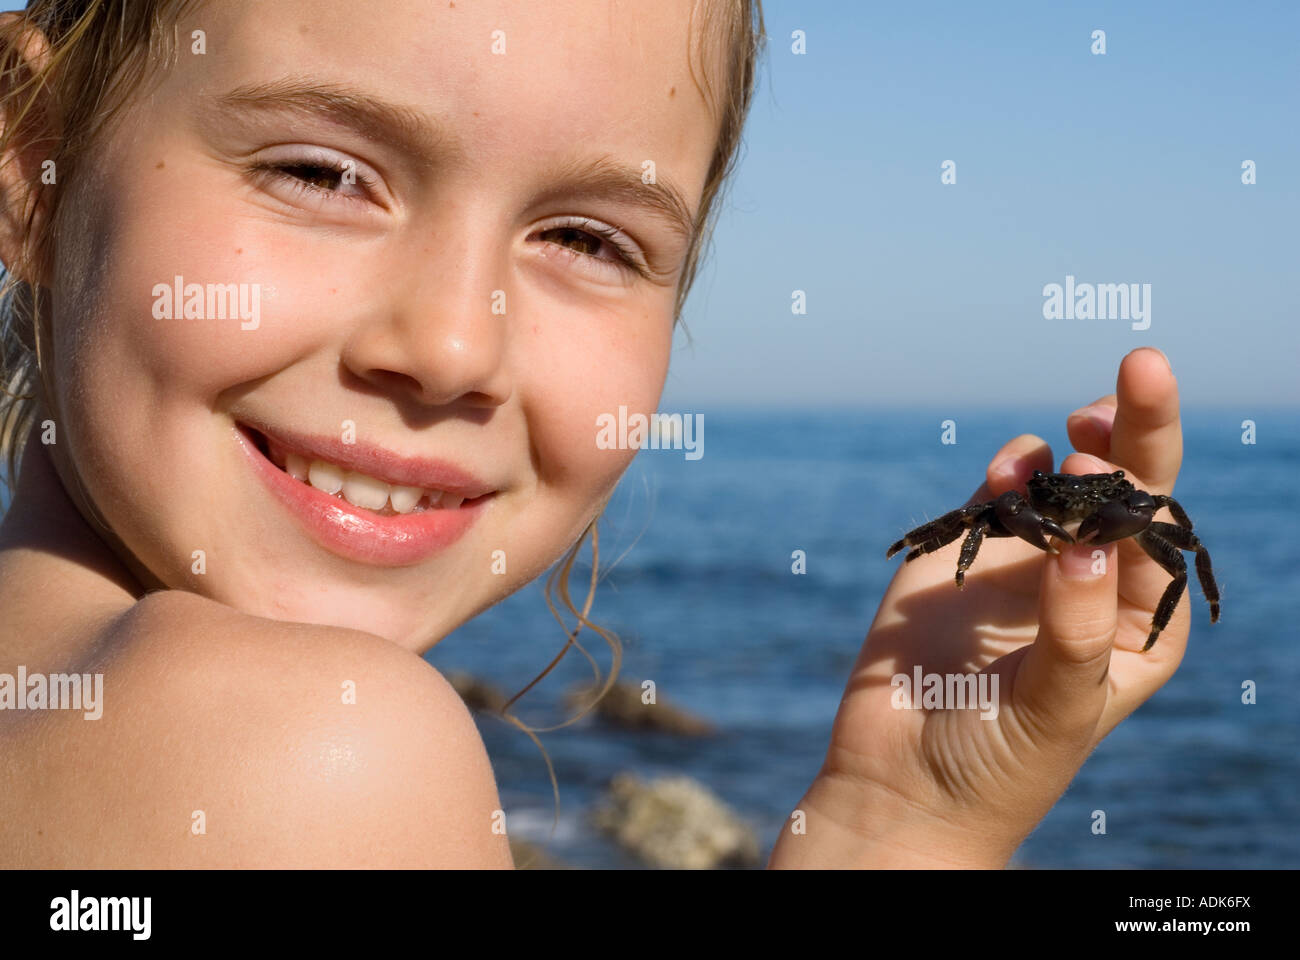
(970, 546)
(1186, 540)
(1166, 554)
(937, 533)
(1180, 515)
(1162, 541)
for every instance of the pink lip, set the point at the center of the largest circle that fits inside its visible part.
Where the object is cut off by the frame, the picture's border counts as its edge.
(363, 535)
(375, 461)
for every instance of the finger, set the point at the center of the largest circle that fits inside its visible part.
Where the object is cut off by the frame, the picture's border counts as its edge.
(1136, 676)
(1090, 427)
(1140, 590)
(1013, 465)
(1062, 679)
(1061, 682)
(1147, 436)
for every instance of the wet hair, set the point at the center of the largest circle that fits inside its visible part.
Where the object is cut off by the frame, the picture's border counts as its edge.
(104, 52)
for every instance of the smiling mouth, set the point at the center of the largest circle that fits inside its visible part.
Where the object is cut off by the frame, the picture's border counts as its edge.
(360, 490)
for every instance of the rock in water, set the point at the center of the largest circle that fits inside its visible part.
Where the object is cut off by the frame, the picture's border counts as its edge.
(676, 823)
(530, 856)
(624, 707)
(477, 694)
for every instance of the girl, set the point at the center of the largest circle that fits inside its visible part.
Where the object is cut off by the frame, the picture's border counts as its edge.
(312, 311)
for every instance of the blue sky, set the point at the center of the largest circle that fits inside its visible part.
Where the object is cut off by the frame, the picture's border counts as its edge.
(1122, 168)
(1117, 168)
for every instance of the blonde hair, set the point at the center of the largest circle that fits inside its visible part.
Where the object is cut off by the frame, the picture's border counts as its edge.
(101, 52)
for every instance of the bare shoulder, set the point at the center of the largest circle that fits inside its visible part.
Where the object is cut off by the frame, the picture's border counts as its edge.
(238, 741)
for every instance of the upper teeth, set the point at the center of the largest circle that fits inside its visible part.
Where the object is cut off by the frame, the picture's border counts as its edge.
(363, 491)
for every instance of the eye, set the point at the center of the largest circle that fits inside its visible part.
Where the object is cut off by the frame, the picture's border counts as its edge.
(581, 239)
(318, 176)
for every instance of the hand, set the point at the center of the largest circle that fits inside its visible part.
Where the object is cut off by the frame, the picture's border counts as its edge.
(947, 785)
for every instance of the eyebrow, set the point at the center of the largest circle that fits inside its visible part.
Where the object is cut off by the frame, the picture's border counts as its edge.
(601, 178)
(369, 116)
(607, 178)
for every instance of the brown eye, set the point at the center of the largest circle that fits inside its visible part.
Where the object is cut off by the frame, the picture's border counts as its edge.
(581, 239)
(323, 178)
(319, 177)
(585, 242)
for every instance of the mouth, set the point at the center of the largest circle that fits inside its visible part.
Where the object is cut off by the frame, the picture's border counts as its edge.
(363, 502)
(375, 494)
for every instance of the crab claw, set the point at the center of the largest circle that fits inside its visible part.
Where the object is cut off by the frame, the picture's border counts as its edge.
(1015, 513)
(1117, 519)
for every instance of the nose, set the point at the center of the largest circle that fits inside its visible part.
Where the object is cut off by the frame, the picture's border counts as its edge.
(434, 343)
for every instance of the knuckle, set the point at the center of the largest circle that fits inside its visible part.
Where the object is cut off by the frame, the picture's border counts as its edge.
(1085, 640)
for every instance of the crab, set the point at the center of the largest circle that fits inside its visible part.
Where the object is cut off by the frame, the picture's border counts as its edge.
(1110, 509)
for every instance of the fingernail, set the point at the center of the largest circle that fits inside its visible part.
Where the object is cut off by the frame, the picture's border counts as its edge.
(1084, 561)
(1008, 467)
(1162, 356)
(1102, 419)
(1098, 413)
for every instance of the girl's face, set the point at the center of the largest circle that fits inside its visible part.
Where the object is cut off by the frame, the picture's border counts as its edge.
(387, 223)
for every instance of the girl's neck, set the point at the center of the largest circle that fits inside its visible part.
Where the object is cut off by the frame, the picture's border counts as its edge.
(49, 551)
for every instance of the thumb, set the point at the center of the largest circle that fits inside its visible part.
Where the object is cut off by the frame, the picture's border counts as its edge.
(1062, 679)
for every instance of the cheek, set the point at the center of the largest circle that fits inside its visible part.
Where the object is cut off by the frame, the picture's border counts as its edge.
(130, 382)
(581, 369)
(263, 303)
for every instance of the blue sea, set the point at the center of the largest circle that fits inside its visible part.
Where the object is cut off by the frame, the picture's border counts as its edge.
(697, 583)
(705, 604)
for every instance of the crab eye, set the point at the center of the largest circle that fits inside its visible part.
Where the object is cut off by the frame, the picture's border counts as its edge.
(1118, 475)
(1039, 473)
